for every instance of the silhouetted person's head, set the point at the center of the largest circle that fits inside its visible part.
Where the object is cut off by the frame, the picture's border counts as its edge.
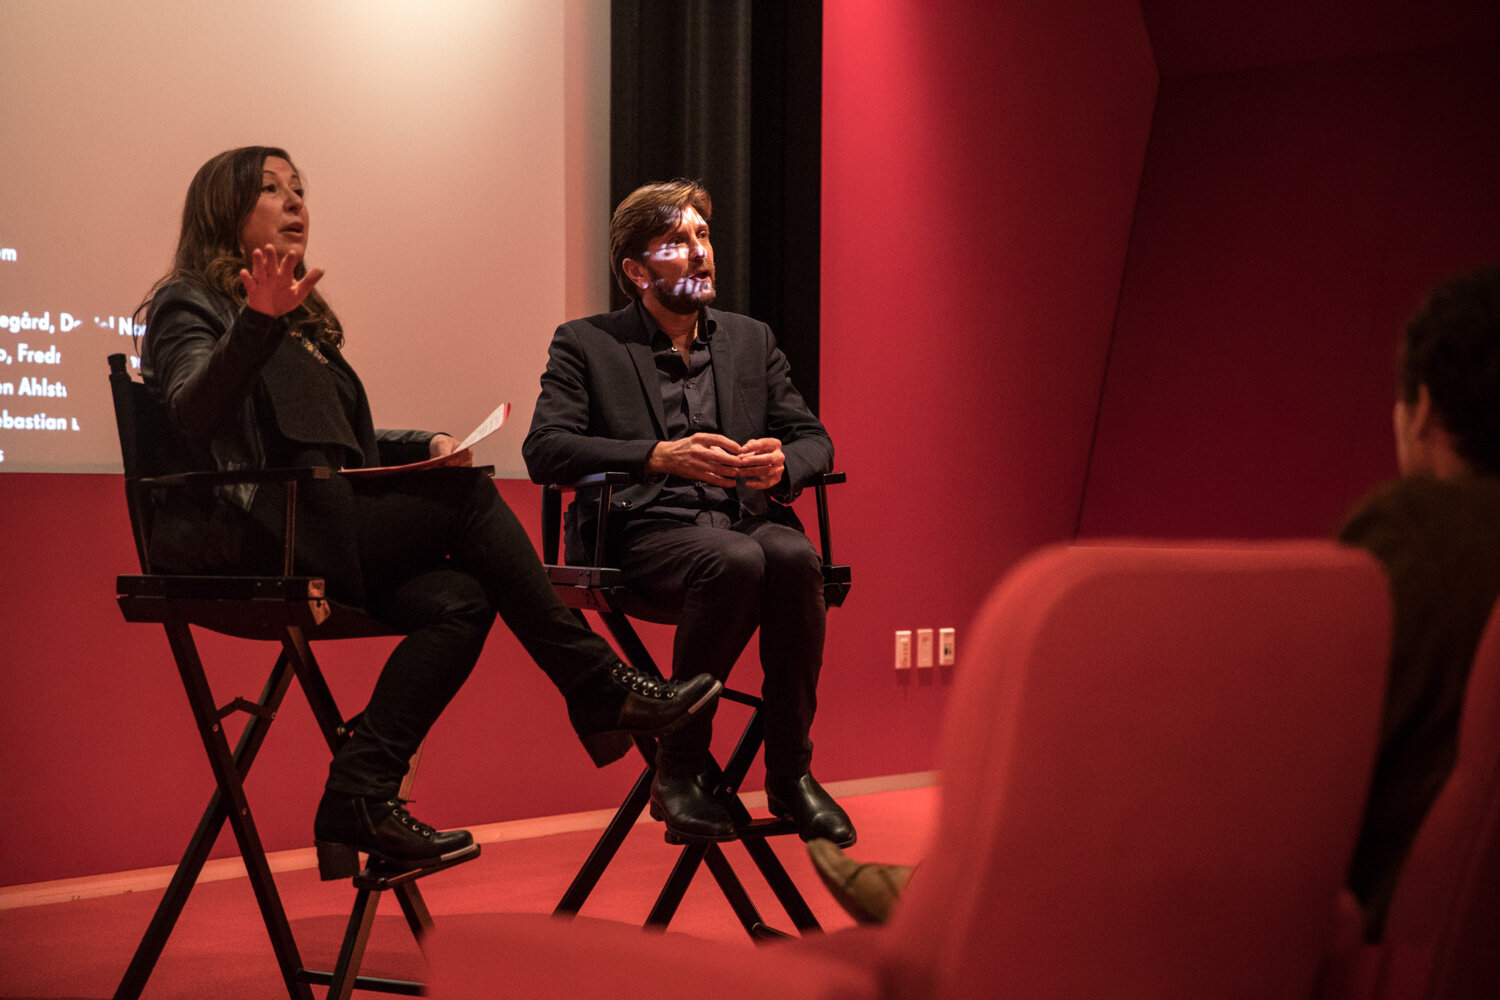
(1447, 413)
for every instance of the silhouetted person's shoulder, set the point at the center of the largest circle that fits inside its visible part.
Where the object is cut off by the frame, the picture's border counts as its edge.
(1439, 540)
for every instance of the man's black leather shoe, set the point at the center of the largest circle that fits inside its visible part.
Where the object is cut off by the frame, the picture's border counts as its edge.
(803, 801)
(691, 814)
(625, 702)
(347, 824)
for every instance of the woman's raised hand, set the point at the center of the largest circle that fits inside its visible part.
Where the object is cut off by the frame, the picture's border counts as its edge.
(270, 284)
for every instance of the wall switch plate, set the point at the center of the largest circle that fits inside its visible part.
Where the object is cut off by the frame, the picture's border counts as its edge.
(903, 649)
(947, 646)
(924, 647)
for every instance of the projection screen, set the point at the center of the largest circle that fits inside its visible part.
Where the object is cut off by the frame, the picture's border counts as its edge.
(455, 159)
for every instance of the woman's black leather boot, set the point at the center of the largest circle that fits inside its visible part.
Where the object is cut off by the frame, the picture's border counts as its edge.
(624, 702)
(348, 824)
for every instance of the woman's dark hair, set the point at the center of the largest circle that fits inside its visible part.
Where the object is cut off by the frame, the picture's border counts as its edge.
(1452, 346)
(646, 213)
(220, 198)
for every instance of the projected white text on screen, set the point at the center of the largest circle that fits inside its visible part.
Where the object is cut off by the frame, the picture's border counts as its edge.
(44, 349)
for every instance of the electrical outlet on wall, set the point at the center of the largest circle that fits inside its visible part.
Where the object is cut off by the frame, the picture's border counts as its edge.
(924, 647)
(903, 649)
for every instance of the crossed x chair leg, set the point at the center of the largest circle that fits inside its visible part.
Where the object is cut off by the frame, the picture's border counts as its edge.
(597, 588)
(750, 832)
(228, 803)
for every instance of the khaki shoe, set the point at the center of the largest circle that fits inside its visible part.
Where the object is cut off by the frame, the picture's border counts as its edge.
(867, 892)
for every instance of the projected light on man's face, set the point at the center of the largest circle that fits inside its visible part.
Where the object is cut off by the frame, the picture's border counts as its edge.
(680, 265)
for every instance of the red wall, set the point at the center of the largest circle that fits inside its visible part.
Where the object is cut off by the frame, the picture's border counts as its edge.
(103, 768)
(980, 167)
(1290, 220)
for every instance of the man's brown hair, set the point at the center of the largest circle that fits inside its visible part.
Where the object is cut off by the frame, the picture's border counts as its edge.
(646, 213)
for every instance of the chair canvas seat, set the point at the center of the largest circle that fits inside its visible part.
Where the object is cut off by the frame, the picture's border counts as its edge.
(246, 607)
(598, 589)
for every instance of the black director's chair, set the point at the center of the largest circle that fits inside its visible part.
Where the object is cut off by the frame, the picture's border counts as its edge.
(597, 588)
(286, 609)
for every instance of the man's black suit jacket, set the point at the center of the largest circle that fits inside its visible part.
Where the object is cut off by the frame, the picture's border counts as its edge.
(600, 410)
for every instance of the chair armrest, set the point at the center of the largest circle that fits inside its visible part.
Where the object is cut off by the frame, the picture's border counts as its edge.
(597, 479)
(552, 511)
(233, 477)
(836, 579)
(230, 477)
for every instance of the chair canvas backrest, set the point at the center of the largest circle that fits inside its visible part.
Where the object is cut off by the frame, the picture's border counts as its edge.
(1153, 768)
(141, 425)
(1442, 936)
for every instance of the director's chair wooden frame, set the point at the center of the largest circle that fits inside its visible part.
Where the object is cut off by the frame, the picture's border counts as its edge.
(596, 588)
(291, 611)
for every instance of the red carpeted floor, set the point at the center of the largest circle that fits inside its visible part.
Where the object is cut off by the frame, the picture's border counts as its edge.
(79, 949)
